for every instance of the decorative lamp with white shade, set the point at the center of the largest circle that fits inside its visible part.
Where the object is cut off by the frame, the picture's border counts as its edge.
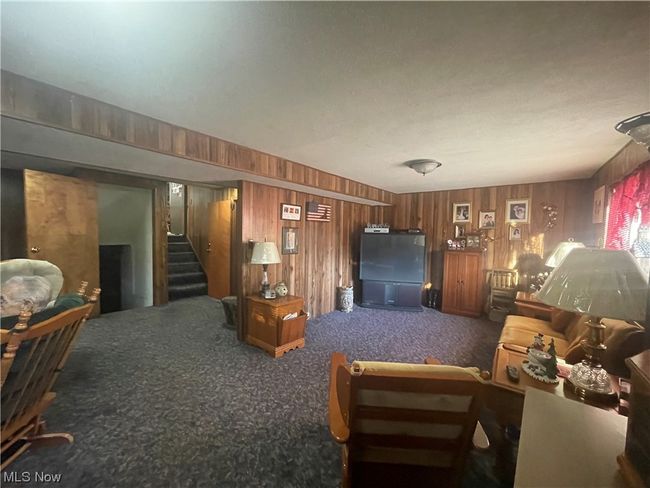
(265, 253)
(560, 252)
(600, 283)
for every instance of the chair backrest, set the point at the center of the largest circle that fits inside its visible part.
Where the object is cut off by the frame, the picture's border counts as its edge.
(417, 415)
(32, 359)
(503, 279)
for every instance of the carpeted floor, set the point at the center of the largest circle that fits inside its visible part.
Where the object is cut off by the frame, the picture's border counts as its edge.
(166, 396)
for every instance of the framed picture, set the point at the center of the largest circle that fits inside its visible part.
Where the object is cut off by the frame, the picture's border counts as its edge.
(487, 219)
(462, 212)
(514, 233)
(289, 240)
(473, 241)
(459, 231)
(517, 210)
(598, 213)
(290, 212)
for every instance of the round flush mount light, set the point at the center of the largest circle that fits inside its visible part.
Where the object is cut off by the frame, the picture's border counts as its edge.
(423, 166)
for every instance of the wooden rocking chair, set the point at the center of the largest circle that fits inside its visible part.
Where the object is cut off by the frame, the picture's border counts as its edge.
(404, 424)
(33, 358)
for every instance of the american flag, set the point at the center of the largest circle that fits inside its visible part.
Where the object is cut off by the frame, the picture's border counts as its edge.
(319, 212)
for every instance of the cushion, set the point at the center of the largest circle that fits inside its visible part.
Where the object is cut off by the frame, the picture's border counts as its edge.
(576, 330)
(533, 326)
(560, 319)
(417, 370)
(63, 303)
(33, 267)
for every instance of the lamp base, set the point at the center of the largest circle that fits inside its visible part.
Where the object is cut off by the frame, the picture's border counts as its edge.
(591, 396)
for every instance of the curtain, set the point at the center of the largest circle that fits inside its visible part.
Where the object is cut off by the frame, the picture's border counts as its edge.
(630, 200)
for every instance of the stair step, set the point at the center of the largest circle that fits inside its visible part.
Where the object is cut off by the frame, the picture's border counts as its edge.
(176, 268)
(176, 238)
(188, 290)
(186, 278)
(179, 247)
(181, 257)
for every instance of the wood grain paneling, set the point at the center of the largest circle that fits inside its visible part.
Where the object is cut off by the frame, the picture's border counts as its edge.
(61, 226)
(432, 212)
(198, 200)
(13, 215)
(33, 101)
(328, 254)
(159, 224)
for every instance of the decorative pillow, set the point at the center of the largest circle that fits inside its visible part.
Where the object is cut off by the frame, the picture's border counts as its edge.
(560, 319)
(33, 267)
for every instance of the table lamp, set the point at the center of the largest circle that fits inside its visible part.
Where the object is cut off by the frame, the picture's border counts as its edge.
(560, 252)
(601, 283)
(265, 253)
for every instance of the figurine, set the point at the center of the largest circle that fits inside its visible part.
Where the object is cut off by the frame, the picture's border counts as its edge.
(538, 342)
(551, 364)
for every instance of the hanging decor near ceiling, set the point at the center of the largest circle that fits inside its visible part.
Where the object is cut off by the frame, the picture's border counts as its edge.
(550, 214)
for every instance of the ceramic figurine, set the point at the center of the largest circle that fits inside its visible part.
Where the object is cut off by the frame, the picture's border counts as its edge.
(281, 289)
(551, 364)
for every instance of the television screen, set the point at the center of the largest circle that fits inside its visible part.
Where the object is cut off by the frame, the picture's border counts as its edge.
(393, 257)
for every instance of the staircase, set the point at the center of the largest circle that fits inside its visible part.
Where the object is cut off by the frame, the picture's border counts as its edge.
(185, 276)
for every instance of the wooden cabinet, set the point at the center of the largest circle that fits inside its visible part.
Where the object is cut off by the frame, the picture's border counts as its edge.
(462, 284)
(267, 329)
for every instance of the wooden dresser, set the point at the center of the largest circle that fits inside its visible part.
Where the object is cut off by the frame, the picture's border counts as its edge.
(462, 283)
(266, 327)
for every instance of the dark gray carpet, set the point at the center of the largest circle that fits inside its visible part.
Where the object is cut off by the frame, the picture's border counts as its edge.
(166, 396)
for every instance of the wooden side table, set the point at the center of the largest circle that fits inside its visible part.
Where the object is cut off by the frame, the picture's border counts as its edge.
(507, 398)
(266, 327)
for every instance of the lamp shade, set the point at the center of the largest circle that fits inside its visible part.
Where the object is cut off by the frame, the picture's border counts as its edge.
(560, 252)
(265, 253)
(598, 282)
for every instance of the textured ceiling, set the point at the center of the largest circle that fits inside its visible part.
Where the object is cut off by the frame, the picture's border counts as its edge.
(500, 93)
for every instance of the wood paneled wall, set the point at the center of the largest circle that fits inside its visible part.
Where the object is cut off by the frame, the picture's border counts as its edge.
(34, 101)
(198, 200)
(328, 251)
(432, 212)
(12, 194)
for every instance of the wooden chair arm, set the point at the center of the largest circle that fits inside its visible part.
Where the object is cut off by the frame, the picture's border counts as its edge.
(431, 360)
(12, 339)
(338, 426)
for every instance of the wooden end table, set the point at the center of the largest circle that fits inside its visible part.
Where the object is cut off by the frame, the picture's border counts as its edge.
(507, 398)
(269, 330)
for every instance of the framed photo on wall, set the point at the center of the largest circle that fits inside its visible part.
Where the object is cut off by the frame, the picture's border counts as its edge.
(289, 240)
(598, 215)
(514, 233)
(487, 219)
(517, 210)
(462, 212)
(290, 212)
(473, 241)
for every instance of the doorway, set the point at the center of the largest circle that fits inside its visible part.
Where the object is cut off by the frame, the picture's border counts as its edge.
(125, 222)
(176, 208)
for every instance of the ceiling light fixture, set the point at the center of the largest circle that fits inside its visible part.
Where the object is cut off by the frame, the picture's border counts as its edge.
(423, 166)
(637, 127)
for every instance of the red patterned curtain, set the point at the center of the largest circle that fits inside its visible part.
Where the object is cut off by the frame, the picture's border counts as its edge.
(630, 200)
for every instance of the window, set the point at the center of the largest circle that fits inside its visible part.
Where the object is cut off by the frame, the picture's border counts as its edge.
(628, 218)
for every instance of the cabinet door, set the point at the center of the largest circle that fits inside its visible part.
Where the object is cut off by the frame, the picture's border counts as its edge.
(470, 284)
(451, 283)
